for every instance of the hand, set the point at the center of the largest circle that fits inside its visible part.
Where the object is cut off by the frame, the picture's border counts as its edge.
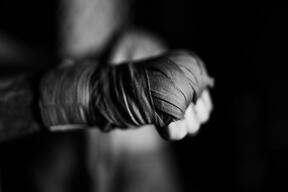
(138, 45)
(195, 115)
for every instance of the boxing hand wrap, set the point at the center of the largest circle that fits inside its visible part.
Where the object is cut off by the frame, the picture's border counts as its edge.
(152, 91)
(65, 95)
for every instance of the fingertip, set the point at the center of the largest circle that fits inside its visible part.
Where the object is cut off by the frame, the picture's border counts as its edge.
(191, 120)
(201, 110)
(177, 130)
(207, 100)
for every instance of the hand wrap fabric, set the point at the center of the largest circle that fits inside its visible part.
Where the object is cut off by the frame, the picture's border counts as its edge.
(152, 91)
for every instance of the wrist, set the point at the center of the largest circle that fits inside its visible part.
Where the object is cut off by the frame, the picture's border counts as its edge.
(64, 95)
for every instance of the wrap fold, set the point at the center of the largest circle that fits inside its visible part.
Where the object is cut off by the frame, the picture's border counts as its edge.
(152, 91)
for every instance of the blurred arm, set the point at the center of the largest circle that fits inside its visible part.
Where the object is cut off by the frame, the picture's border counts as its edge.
(85, 27)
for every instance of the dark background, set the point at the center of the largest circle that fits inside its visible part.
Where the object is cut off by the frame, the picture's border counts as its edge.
(243, 147)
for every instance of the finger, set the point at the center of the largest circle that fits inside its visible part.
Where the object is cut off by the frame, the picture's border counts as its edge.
(191, 120)
(177, 130)
(201, 110)
(207, 100)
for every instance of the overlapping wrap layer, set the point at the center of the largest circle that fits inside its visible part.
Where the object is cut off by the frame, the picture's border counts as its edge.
(152, 91)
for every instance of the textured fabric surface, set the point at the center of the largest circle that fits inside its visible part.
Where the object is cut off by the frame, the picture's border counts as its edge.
(152, 91)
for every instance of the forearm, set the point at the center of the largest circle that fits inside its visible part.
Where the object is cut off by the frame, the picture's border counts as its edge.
(84, 28)
(24, 98)
(19, 113)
